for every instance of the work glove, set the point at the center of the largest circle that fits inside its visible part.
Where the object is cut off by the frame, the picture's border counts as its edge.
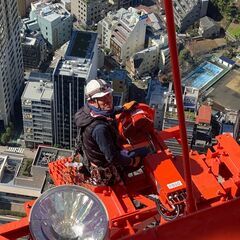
(136, 161)
(129, 105)
(142, 152)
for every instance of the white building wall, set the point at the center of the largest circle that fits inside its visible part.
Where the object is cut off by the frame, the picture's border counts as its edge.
(92, 11)
(37, 113)
(149, 58)
(187, 12)
(105, 29)
(56, 31)
(136, 40)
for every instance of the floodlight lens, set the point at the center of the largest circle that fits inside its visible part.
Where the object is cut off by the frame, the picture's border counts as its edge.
(68, 212)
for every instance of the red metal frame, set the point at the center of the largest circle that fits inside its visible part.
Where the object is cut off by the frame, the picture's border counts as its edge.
(127, 222)
(178, 93)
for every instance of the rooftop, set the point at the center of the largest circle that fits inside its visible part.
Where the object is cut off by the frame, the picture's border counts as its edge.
(228, 87)
(204, 114)
(207, 22)
(36, 76)
(50, 11)
(81, 44)
(17, 176)
(79, 54)
(227, 60)
(38, 91)
(45, 155)
(10, 169)
(189, 116)
(29, 41)
(190, 98)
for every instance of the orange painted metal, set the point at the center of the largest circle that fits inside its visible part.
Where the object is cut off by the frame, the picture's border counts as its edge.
(213, 223)
(15, 230)
(164, 177)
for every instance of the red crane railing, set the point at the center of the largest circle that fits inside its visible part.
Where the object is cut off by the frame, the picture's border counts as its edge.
(178, 93)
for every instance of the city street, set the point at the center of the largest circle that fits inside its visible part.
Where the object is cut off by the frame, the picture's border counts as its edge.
(27, 153)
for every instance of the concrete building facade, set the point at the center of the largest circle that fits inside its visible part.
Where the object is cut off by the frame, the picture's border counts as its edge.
(170, 118)
(54, 22)
(123, 33)
(37, 111)
(186, 12)
(208, 28)
(90, 12)
(34, 48)
(11, 63)
(153, 58)
(120, 85)
(70, 76)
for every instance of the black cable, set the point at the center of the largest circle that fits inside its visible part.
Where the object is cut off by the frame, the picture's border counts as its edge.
(167, 217)
(161, 210)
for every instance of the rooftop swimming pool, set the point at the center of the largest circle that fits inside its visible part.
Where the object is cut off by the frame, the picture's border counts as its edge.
(202, 75)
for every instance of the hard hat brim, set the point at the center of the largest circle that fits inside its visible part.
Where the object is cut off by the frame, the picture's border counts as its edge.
(102, 94)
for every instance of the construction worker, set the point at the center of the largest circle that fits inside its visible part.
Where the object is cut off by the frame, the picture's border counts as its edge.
(97, 139)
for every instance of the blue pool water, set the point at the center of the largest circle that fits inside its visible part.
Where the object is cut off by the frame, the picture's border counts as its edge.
(202, 75)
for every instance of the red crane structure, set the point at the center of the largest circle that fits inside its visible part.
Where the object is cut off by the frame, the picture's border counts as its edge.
(194, 196)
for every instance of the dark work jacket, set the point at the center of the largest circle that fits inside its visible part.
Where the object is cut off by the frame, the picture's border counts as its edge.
(99, 139)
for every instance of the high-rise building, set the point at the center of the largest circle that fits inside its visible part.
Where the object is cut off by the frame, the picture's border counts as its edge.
(186, 12)
(11, 63)
(37, 111)
(90, 12)
(123, 32)
(70, 76)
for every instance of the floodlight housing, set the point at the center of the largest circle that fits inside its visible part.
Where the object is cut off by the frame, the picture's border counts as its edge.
(68, 213)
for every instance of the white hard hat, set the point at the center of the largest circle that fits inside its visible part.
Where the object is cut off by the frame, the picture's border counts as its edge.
(97, 88)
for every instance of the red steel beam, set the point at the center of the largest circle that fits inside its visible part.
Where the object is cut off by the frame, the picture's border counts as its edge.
(15, 230)
(214, 223)
(178, 93)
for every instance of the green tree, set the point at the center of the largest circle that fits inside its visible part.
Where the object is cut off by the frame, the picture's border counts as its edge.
(107, 51)
(185, 56)
(4, 138)
(57, 145)
(224, 7)
(9, 131)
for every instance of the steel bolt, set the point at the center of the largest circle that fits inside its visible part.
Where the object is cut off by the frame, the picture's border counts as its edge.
(105, 192)
(137, 216)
